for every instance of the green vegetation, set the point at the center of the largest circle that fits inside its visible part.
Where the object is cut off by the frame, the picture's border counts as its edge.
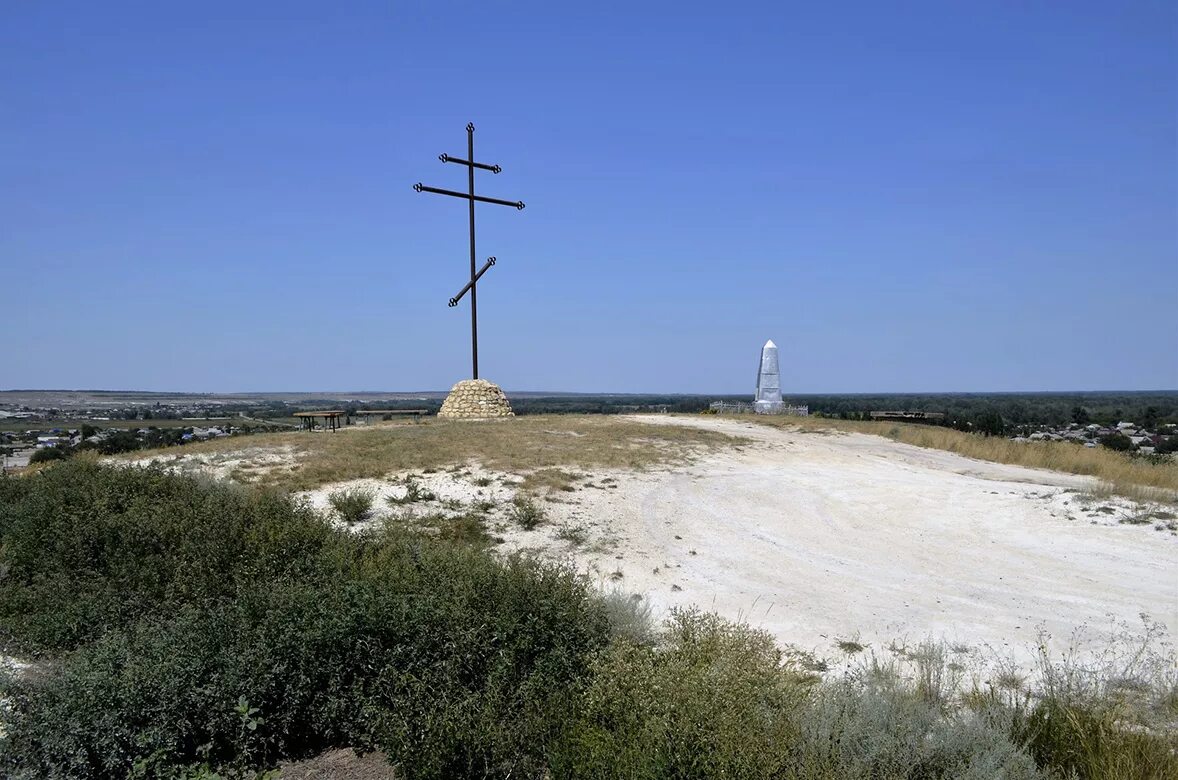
(181, 627)
(1118, 442)
(50, 454)
(354, 505)
(414, 493)
(180, 598)
(525, 512)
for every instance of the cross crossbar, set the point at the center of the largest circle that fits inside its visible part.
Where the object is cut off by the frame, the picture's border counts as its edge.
(518, 204)
(454, 301)
(492, 168)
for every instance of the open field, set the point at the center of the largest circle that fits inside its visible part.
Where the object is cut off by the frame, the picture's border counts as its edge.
(818, 536)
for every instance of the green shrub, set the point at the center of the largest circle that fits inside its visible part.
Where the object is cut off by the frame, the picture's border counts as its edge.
(872, 723)
(526, 513)
(413, 494)
(1109, 717)
(1116, 441)
(629, 617)
(453, 661)
(50, 454)
(90, 548)
(714, 699)
(353, 504)
(466, 528)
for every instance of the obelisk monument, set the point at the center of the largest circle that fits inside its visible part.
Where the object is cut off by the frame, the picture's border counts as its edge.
(768, 398)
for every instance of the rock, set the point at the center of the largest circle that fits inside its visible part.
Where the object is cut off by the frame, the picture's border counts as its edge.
(475, 399)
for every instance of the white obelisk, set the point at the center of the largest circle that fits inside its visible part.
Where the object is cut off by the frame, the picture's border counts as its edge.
(768, 398)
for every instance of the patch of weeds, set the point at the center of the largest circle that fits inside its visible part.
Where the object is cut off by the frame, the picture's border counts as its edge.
(414, 493)
(1009, 680)
(804, 659)
(451, 504)
(551, 479)
(676, 588)
(464, 529)
(692, 552)
(629, 617)
(1135, 520)
(1108, 510)
(616, 574)
(573, 534)
(850, 646)
(483, 481)
(483, 505)
(1161, 515)
(352, 504)
(525, 513)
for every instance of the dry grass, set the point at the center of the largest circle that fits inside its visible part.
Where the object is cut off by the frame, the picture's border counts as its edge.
(546, 446)
(1121, 474)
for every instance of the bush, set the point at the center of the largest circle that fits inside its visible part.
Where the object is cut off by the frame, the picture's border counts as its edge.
(872, 724)
(115, 442)
(526, 513)
(716, 700)
(353, 504)
(1167, 445)
(713, 700)
(90, 548)
(629, 617)
(235, 628)
(1111, 717)
(413, 493)
(50, 454)
(1116, 441)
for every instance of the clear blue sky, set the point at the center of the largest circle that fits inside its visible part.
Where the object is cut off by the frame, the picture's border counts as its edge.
(905, 197)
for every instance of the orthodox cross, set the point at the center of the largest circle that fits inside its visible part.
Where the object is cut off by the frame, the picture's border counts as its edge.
(471, 197)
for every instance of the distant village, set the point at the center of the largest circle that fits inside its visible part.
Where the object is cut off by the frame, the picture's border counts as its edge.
(118, 425)
(1124, 436)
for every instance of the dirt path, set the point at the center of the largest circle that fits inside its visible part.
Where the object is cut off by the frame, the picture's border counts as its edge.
(826, 537)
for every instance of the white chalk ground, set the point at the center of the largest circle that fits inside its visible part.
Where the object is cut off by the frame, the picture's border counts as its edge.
(826, 537)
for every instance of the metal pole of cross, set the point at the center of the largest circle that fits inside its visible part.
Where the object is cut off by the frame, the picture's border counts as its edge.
(469, 196)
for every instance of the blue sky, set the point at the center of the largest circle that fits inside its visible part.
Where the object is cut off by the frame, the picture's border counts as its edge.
(905, 197)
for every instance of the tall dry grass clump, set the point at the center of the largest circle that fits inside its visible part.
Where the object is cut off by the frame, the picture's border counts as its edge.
(1122, 474)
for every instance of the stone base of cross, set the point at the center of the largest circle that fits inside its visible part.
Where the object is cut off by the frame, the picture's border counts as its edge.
(475, 399)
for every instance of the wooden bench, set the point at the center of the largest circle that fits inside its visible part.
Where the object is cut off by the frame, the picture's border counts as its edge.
(331, 419)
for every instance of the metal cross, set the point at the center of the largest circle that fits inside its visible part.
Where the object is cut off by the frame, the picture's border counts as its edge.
(471, 197)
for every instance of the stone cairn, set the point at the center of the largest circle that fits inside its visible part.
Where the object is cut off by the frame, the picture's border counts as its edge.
(475, 399)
